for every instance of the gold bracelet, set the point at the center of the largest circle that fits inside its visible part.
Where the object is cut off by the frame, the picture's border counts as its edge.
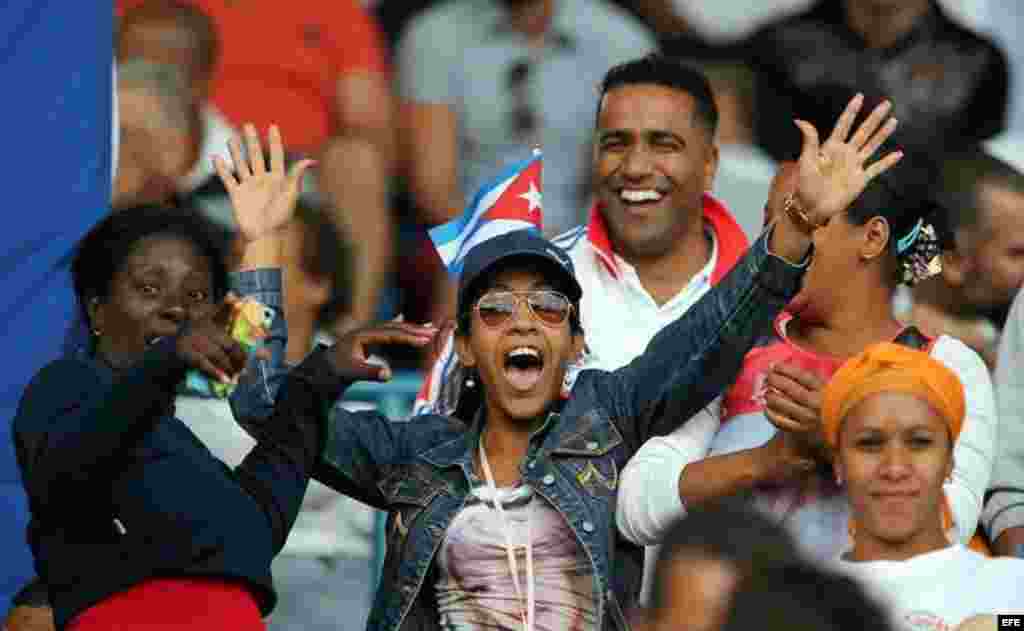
(799, 216)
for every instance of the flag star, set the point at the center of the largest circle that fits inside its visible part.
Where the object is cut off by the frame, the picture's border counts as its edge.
(532, 196)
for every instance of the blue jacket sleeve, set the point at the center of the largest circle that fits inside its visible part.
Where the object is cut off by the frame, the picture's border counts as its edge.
(358, 447)
(692, 360)
(259, 384)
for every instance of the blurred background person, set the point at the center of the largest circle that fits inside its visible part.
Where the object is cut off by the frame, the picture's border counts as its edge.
(320, 71)
(483, 81)
(180, 36)
(803, 598)
(1004, 509)
(156, 131)
(704, 558)
(745, 171)
(984, 268)
(938, 74)
(891, 416)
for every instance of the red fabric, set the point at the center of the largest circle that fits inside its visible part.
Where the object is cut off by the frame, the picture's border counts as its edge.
(180, 604)
(280, 63)
(746, 394)
(732, 242)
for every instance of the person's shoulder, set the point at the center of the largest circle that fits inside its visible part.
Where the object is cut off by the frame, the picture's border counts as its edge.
(56, 382)
(449, 17)
(813, 17)
(628, 29)
(959, 357)
(619, 35)
(964, 37)
(66, 370)
(441, 29)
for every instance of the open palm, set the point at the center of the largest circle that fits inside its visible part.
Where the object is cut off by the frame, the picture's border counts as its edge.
(263, 201)
(832, 175)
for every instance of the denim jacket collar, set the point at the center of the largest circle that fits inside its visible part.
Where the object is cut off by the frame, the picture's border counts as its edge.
(460, 451)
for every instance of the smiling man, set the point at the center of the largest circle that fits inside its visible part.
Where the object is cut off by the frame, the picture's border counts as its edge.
(655, 241)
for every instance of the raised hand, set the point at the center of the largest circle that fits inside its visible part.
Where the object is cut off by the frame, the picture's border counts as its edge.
(263, 201)
(350, 357)
(831, 175)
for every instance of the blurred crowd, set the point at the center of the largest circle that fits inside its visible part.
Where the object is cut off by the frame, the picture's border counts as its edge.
(408, 107)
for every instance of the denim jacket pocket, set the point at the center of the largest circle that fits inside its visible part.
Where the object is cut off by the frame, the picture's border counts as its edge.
(594, 435)
(407, 490)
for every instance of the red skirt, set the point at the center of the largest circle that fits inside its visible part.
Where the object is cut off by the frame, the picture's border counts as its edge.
(175, 604)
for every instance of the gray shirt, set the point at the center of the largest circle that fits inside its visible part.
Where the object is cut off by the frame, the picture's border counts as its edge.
(463, 53)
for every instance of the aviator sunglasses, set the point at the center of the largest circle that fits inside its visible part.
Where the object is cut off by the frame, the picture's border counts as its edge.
(498, 307)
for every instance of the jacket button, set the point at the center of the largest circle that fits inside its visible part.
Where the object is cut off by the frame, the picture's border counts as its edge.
(531, 464)
(549, 479)
(592, 445)
(588, 526)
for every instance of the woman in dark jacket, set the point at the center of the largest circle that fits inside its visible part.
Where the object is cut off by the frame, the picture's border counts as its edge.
(135, 524)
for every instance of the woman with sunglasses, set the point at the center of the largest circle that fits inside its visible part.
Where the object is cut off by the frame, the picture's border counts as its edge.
(891, 416)
(503, 516)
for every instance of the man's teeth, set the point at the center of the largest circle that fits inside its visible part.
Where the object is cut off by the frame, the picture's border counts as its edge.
(640, 196)
(524, 352)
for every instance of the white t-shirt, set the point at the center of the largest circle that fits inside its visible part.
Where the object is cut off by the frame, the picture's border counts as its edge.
(939, 590)
(475, 588)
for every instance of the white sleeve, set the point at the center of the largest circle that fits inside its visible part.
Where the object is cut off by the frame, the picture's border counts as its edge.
(975, 449)
(1005, 508)
(649, 503)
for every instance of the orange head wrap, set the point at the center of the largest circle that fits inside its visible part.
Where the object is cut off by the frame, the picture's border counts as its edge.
(888, 367)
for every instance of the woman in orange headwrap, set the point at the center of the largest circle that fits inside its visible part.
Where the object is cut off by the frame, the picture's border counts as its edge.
(891, 416)
(893, 384)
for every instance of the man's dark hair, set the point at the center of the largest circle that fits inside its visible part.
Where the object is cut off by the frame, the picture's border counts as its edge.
(103, 251)
(964, 175)
(728, 531)
(802, 598)
(188, 17)
(657, 69)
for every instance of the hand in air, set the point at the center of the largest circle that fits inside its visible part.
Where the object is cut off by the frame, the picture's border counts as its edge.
(263, 201)
(831, 175)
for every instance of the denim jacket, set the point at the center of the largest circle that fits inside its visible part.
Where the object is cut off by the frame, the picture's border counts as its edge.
(419, 471)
